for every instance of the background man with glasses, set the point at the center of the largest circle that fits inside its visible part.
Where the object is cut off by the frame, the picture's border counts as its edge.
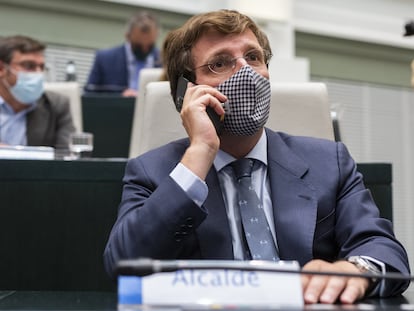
(28, 115)
(183, 200)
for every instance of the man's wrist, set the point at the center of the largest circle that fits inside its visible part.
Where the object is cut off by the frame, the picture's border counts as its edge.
(366, 266)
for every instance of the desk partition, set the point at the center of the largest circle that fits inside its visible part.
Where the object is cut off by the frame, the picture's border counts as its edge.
(55, 218)
(54, 223)
(109, 118)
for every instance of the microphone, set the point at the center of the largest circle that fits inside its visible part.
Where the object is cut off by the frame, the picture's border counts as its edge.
(147, 266)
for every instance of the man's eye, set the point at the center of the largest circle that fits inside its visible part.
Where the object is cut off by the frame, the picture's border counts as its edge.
(220, 63)
(253, 56)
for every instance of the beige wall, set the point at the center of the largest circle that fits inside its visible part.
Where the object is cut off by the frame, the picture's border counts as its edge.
(78, 23)
(96, 24)
(355, 60)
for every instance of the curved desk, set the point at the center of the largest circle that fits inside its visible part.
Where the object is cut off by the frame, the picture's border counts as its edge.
(34, 301)
(56, 217)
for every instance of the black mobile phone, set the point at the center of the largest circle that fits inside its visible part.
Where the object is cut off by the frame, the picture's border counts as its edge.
(179, 98)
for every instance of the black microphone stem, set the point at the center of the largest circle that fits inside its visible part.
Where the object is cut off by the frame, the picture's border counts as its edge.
(143, 267)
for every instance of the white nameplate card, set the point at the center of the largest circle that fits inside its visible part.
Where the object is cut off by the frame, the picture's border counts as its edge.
(221, 288)
(27, 152)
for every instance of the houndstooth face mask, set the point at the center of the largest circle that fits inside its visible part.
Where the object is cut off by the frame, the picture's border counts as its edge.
(248, 95)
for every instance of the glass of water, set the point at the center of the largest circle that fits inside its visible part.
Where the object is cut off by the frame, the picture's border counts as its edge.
(81, 145)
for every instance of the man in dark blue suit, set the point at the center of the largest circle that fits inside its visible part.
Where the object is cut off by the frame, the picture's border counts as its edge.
(116, 70)
(180, 201)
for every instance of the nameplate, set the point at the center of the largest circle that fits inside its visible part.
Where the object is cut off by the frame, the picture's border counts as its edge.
(27, 153)
(217, 288)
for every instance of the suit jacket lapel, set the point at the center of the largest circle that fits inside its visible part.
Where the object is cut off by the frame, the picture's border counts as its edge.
(123, 66)
(293, 199)
(37, 122)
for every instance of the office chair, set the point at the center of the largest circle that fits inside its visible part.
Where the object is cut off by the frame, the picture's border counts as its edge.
(146, 75)
(158, 122)
(72, 91)
(298, 108)
(301, 109)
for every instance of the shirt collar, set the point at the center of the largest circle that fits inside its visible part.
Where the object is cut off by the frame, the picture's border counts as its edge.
(6, 106)
(259, 152)
(10, 110)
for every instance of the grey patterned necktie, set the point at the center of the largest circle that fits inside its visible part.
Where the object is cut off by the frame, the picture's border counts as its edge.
(257, 231)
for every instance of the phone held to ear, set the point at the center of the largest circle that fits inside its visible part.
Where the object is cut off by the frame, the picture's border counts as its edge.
(179, 98)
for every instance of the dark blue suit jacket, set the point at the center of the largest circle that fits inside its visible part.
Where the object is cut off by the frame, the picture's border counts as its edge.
(320, 204)
(109, 72)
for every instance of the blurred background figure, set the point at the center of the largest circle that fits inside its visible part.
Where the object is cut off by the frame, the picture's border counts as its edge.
(70, 71)
(116, 70)
(29, 115)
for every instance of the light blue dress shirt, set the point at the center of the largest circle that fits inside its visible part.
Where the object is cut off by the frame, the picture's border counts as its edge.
(135, 66)
(13, 125)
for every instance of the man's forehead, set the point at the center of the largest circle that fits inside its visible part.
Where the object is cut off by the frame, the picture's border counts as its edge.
(143, 37)
(213, 42)
(143, 30)
(17, 55)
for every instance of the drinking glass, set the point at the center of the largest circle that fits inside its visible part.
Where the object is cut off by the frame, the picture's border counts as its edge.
(81, 145)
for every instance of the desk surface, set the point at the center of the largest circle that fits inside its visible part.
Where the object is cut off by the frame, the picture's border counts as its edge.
(57, 300)
(30, 300)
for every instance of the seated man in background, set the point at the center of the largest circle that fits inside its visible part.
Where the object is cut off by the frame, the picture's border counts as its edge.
(116, 70)
(186, 200)
(28, 115)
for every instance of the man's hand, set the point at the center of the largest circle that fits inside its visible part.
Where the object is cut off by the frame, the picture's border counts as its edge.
(327, 289)
(129, 93)
(203, 137)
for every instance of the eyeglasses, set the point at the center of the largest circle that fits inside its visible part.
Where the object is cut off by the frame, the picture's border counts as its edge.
(28, 65)
(222, 64)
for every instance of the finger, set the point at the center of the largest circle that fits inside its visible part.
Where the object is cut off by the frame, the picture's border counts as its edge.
(355, 289)
(314, 289)
(199, 90)
(207, 100)
(313, 265)
(333, 289)
(304, 279)
(220, 96)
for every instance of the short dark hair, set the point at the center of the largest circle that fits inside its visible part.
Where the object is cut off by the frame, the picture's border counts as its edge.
(142, 20)
(22, 44)
(178, 43)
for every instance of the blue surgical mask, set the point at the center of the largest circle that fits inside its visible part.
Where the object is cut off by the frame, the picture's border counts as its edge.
(28, 87)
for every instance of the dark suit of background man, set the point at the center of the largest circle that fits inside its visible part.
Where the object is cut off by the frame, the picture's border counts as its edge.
(180, 201)
(117, 69)
(28, 115)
